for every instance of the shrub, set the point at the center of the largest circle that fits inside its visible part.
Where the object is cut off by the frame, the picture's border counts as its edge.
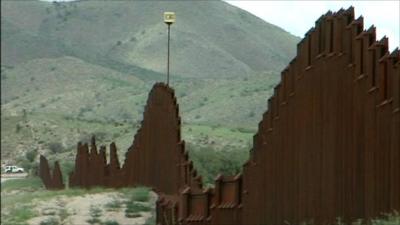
(114, 205)
(133, 209)
(140, 194)
(136, 207)
(50, 221)
(31, 155)
(111, 222)
(95, 214)
(132, 215)
(56, 147)
(17, 128)
(100, 135)
(93, 220)
(84, 110)
(19, 215)
(251, 114)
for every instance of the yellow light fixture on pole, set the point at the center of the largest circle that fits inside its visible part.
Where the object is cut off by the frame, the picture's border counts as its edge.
(169, 18)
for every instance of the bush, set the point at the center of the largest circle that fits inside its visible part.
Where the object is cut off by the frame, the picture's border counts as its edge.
(63, 214)
(84, 110)
(140, 194)
(95, 214)
(95, 211)
(31, 155)
(252, 114)
(111, 222)
(55, 147)
(137, 207)
(133, 209)
(17, 128)
(19, 215)
(50, 221)
(114, 205)
(100, 135)
(132, 215)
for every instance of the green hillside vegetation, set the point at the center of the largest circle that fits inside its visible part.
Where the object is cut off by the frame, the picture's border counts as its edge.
(70, 70)
(207, 40)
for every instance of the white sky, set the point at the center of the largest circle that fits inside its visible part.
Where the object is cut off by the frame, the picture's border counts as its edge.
(297, 17)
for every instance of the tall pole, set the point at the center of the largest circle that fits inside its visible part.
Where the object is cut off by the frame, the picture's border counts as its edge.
(169, 25)
(169, 18)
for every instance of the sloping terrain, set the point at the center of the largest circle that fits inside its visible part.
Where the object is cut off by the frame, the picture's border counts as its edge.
(210, 39)
(73, 69)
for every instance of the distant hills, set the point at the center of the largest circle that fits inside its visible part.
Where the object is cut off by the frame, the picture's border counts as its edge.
(95, 61)
(210, 38)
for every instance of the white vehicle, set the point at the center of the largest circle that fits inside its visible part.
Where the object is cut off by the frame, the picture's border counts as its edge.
(14, 169)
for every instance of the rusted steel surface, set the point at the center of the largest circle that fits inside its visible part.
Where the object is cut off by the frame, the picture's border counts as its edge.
(91, 168)
(328, 146)
(54, 180)
(158, 148)
(227, 200)
(44, 171)
(195, 206)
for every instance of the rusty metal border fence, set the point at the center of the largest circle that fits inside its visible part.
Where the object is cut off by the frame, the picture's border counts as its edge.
(328, 146)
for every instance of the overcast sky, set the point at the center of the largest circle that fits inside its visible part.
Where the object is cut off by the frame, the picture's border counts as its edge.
(297, 17)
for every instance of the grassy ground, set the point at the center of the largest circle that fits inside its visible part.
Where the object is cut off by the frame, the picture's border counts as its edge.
(20, 197)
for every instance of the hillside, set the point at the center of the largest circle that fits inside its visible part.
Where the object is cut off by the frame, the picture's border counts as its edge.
(207, 40)
(73, 69)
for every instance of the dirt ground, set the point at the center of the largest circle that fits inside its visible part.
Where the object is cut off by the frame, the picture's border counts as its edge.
(77, 210)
